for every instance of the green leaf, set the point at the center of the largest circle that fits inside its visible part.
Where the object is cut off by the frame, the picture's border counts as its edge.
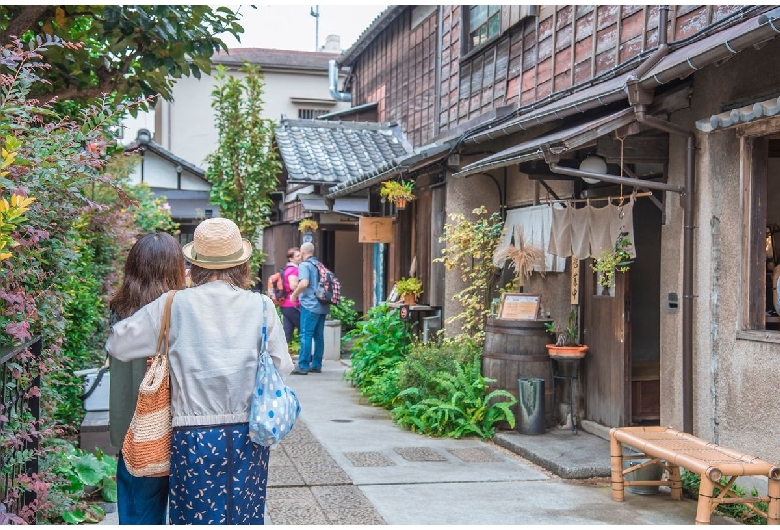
(74, 516)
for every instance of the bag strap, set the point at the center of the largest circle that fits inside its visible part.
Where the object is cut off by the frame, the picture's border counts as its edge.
(165, 325)
(264, 346)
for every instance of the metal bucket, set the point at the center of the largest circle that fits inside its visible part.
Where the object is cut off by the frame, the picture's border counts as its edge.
(651, 472)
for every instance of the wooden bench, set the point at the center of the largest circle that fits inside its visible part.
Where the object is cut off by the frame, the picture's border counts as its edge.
(672, 449)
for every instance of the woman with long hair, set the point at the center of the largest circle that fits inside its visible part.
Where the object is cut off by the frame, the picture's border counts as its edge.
(154, 266)
(218, 475)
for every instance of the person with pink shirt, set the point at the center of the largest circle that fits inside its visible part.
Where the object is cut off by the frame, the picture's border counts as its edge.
(291, 311)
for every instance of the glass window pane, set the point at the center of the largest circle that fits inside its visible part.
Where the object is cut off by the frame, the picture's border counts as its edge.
(483, 34)
(494, 25)
(493, 9)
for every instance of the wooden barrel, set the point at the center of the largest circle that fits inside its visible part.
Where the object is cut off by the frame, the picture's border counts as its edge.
(515, 349)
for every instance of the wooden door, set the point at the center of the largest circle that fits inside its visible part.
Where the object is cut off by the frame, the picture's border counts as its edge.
(606, 330)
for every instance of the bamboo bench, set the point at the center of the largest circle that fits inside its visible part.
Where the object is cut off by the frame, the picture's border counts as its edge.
(672, 449)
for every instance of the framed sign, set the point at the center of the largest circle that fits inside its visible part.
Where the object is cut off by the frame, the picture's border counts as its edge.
(519, 306)
(375, 230)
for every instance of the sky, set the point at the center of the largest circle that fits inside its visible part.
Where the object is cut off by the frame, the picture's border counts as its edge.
(291, 27)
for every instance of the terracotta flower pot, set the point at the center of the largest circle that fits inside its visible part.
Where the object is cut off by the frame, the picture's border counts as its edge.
(409, 299)
(400, 203)
(566, 352)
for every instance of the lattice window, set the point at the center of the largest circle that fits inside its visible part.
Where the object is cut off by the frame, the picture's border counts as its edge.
(310, 114)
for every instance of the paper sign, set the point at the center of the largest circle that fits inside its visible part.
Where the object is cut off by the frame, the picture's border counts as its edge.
(375, 230)
(517, 306)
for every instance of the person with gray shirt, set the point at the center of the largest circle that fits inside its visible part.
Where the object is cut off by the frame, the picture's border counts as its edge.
(313, 314)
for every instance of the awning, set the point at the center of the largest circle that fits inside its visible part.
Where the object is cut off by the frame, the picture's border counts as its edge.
(313, 203)
(585, 99)
(353, 205)
(558, 142)
(746, 114)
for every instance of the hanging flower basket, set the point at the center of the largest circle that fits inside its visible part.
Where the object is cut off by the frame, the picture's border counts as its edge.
(616, 259)
(400, 192)
(307, 225)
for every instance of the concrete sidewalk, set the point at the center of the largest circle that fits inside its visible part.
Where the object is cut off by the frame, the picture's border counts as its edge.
(347, 462)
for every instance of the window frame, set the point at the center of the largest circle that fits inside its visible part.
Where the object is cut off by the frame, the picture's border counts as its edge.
(754, 153)
(467, 49)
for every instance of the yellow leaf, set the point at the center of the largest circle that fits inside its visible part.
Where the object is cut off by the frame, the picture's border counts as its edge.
(59, 16)
(4, 206)
(5, 255)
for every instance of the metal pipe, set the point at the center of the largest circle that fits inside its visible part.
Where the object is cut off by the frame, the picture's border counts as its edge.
(437, 73)
(333, 83)
(663, 47)
(614, 179)
(688, 234)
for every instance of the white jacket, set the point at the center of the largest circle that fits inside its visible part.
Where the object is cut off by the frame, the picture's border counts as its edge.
(215, 339)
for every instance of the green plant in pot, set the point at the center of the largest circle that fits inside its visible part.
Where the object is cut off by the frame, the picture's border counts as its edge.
(567, 338)
(398, 191)
(610, 261)
(409, 289)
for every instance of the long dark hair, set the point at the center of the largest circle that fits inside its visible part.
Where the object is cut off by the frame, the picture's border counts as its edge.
(155, 265)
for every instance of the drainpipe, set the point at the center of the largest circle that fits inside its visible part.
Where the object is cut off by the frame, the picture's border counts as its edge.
(333, 83)
(688, 220)
(663, 47)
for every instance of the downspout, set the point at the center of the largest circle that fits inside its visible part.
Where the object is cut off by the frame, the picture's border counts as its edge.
(333, 83)
(663, 47)
(437, 74)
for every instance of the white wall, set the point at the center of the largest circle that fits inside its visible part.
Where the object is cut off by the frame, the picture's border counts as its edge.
(187, 124)
(160, 173)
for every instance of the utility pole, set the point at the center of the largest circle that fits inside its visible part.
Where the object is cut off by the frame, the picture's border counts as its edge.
(315, 12)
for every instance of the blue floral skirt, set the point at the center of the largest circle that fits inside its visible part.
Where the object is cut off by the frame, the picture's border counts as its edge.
(218, 476)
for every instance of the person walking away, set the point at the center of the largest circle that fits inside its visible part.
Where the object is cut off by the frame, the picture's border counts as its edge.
(313, 314)
(154, 266)
(218, 475)
(291, 311)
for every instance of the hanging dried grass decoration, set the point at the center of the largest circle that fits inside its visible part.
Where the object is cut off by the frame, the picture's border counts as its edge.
(522, 257)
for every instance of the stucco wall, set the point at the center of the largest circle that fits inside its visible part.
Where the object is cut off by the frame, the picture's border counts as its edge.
(463, 196)
(734, 379)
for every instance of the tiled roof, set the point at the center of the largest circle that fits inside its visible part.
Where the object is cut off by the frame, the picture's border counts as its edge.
(331, 152)
(269, 58)
(746, 114)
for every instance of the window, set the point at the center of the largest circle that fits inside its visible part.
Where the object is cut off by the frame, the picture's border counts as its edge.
(310, 114)
(484, 23)
(761, 155)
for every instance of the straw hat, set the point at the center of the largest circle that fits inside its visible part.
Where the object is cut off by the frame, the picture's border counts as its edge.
(217, 245)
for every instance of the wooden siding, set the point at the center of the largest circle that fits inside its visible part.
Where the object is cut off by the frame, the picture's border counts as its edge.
(561, 47)
(397, 71)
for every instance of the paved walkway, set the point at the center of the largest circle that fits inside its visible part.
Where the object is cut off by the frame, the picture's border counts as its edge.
(346, 462)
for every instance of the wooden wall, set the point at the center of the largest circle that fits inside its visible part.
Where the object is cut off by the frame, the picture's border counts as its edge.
(561, 47)
(397, 71)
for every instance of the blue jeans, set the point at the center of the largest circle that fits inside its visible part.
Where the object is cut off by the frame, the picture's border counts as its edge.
(140, 500)
(312, 329)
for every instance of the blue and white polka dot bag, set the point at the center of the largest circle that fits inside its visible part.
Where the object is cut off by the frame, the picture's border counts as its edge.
(275, 406)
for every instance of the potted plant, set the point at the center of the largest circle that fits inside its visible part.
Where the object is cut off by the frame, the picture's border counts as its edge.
(398, 191)
(307, 224)
(616, 259)
(409, 289)
(567, 338)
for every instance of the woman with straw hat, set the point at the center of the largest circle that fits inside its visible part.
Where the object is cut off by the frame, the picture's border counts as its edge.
(218, 476)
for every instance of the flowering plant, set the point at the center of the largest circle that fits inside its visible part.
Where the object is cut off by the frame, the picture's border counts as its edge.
(616, 259)
(308, 224)
(395, 189)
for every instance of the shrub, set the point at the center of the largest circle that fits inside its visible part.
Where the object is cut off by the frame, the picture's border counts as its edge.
(444, 394)
(345, 312)
(380, 342)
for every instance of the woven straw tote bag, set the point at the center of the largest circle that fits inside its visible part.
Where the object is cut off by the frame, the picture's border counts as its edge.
(146, 448)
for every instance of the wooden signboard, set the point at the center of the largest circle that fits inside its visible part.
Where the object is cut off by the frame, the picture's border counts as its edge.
(519, 306)
(375, 230)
